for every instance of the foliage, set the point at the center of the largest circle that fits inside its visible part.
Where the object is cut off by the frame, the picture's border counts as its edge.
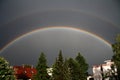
(58, 68)
(116, 56)
(6, 71)
(67, 74)
(82, 62)
(41, 68)
(74, 69)
(111, 73)
(70, 69)
(83, 66)
(78, 68)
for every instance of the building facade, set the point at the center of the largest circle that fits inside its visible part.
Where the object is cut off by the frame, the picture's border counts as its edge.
(106, 71)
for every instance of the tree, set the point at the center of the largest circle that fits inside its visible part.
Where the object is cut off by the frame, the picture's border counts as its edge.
(70, 69)
(58, 68)
(82, 62)
(73, 69)
(67, 74)
(6, 71)
(116, 56)
(83, 66)
(41, 68)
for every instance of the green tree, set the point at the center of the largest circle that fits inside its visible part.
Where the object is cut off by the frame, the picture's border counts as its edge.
(75, 72)
(58, 70)
(83, 66)
(82, 62)
(116, 56)
(67, 74)
(73, 69)
(41, 68)
(6, 71)
(55, 72)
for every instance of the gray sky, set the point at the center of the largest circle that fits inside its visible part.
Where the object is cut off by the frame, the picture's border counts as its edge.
(27, 48)
(17, 17)
(21, 16)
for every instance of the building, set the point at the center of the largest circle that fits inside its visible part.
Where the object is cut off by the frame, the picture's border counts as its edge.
(27, 72)
(105, 70)
(97, 72)
(24, 72)
(49, 71)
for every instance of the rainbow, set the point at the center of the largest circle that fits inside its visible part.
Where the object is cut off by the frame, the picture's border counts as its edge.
(72, 10)
(56, 27)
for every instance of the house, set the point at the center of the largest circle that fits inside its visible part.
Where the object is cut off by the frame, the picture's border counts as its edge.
(104, 70)
(97, 72)
(27, 71)
(24, 72)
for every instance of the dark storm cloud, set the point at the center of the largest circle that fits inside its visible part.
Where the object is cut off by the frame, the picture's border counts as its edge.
(12, 10)
(77, 19)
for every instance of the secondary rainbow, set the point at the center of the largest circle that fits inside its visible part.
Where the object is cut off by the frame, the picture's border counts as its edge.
(55, 27)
